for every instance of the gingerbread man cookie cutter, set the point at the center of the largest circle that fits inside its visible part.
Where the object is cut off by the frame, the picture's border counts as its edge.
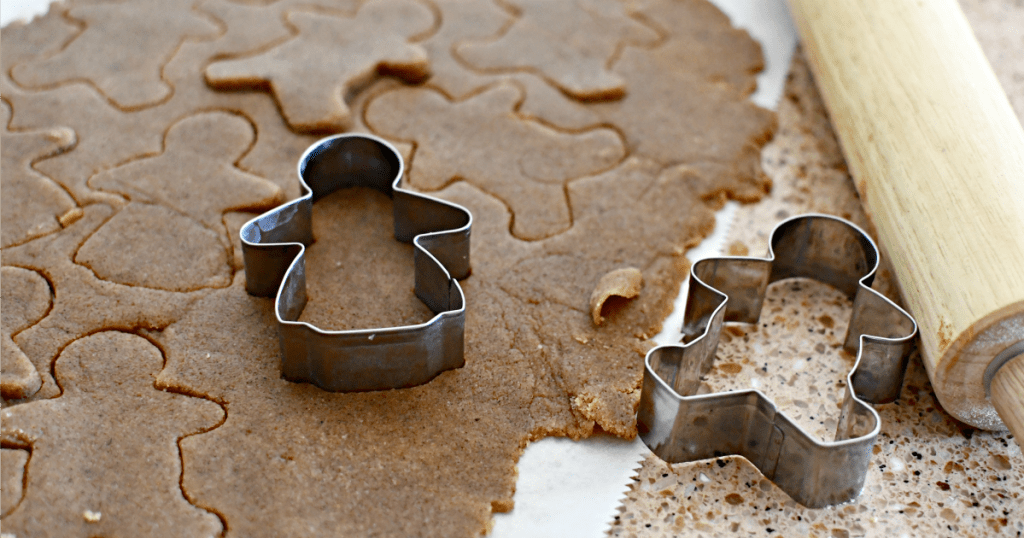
(273, 248)
(681, 426)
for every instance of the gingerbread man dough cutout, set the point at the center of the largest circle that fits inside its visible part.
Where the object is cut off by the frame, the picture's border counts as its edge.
(33, 204)
(312, 74)
(26, 298)
(105, 458)
(126, 67)
(573, 44)
(210, 143)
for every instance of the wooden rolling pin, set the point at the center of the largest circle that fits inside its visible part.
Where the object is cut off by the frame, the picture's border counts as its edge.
(937, 155)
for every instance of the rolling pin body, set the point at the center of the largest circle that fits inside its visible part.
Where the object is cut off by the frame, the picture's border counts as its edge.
(937, 156)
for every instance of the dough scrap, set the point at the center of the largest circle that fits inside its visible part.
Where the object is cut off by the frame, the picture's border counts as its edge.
(110, 442)
(625, 283)
(345, 52)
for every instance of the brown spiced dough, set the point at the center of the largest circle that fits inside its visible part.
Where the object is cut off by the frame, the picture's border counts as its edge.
(104, 454)
(690, 117)
(107, 137)
(143, 235)
(460, 433)
(435, 460)
(469, 20)
(569, 43)
(12, 476)
(127, 70)
(455, 141)
(32, 203)
(311, 74)
(210, 143)
(366, 257)
(82, 302)
(26, 297)
(461, 20)
(622, 283)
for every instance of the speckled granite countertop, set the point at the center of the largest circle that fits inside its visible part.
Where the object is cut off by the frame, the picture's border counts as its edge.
(930, 474)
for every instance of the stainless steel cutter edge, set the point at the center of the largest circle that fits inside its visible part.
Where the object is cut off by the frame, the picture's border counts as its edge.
(680, 427)
(273, 248)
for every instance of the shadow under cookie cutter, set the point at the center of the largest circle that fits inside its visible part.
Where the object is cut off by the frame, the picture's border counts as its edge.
(273, 248)
(680, 426)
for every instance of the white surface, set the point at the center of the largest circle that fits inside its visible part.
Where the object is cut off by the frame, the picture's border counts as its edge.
(24, 10)
(571, 489)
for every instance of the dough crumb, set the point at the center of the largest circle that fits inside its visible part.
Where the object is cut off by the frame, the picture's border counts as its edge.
(624, 283)
(92, 517)
(71, 217)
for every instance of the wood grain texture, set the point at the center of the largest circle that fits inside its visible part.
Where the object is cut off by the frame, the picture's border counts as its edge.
(1007, 388)
(938, 159)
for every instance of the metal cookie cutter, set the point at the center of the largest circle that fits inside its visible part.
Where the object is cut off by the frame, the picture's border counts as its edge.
(680, 426)
(273, 247)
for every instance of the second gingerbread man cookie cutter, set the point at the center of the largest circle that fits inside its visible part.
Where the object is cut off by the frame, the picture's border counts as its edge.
(681, 426)
(273, 248)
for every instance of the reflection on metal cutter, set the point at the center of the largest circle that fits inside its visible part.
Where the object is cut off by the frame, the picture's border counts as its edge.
(273, 247)
(680, 426)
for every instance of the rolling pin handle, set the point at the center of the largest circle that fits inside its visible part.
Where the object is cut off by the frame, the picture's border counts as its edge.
(1006, 388)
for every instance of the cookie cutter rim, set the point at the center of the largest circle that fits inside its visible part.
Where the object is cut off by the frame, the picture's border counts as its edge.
(685, 428)
(274, 245)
